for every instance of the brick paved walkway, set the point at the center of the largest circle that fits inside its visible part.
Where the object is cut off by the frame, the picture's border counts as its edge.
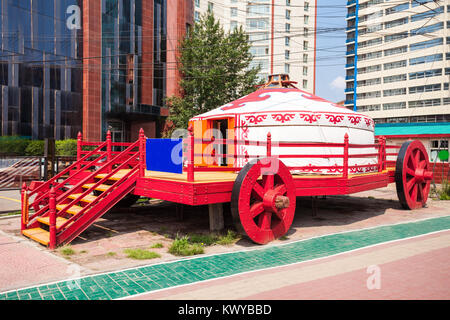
(142, 280)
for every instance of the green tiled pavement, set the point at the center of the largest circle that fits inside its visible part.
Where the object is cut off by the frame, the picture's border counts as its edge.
(125, 283)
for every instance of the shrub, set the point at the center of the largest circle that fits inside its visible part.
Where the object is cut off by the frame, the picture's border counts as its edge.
(182, 247)
(444, 193)
(13, 145)
(35, 148)
(66, 147)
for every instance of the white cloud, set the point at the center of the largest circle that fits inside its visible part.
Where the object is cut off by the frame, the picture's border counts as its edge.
(338, 83)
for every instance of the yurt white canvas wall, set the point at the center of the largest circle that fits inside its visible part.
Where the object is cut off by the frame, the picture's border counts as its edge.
(293, 115)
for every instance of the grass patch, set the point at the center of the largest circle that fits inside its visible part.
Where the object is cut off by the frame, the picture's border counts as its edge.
(211, 239)
(111, 254)
(283, 238)
(444, 191)
(140, 254)
(182, 247)
(67, 251)
(230, 238)
(157, 246)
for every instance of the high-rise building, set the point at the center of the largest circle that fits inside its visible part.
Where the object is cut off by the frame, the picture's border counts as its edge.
(398, 60)
(398, 69)
(282, 34)
(91, 66)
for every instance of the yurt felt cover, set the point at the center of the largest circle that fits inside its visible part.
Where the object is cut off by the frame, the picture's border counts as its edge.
(291, 114)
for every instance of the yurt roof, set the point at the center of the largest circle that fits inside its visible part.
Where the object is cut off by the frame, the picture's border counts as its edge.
(270, 98)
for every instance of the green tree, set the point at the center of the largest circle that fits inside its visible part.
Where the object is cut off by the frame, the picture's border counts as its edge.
(214, 65)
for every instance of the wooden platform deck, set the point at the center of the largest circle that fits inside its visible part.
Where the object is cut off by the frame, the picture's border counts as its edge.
(216, 187)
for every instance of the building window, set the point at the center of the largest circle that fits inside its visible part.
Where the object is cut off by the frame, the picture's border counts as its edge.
(426, 44)
(197, 16)
(286, 54)
(287, 41)
(305, 58)
(287, 68)
(261, 24)
(288, 27)
(233, 25)
(305, 71)
(288, 14)
(233, 12)
(197, 3)
(288, 2)
(210, 6)
(435, 147)
(305, 32)
(305, 45)
(306, 7)
(305, 84)
(306, 19)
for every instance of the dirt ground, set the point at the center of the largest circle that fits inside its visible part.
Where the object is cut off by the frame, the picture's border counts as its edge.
(101, 247)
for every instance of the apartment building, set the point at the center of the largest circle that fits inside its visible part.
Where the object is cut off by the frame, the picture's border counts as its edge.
(282, 34)
(398, 65)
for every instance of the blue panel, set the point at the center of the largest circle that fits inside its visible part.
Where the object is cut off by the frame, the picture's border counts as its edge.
(165, 155)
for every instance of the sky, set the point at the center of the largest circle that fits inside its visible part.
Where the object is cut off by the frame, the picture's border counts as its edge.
(330, 77)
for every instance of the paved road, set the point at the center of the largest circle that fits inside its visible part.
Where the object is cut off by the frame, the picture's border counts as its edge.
(9, 200)
(411, 261)
(415, 268)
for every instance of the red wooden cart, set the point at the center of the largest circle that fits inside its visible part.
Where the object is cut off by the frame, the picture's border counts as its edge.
(262, 193)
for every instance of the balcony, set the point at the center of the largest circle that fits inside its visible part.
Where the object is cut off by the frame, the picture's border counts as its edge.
(349, 102)
(351, 3)
(352, 77)
(350, 40)
(351, 15)
(349, 65)
(349, 90)
(350, 53)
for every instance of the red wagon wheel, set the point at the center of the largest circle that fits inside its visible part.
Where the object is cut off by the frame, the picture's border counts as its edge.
(413, 175)
(263, 200)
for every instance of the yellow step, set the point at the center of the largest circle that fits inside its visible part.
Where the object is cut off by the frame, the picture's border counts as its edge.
(101, 187)
(87, 198)
(119, 175)
(38, 235)
(72, 210)
(46, 220)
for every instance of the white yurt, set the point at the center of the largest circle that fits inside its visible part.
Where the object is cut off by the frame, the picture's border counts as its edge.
(290, 115)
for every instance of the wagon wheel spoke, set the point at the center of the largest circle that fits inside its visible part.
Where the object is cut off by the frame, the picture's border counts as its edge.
(256, 209)
(416, 158)
(411, 172)
(420, 192)
(268, 181)
(265, 220)
(280, 214)
(410, 184)
(422, 164)
(281, 189)
(259, 190)
(414, 193)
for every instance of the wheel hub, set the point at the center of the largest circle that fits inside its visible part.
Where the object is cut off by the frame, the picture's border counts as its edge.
(274, 201)
(422, 175)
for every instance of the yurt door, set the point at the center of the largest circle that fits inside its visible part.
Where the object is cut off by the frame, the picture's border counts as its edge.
(221, 129)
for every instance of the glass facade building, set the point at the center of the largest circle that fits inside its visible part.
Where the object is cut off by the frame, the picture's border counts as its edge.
(40, 74)
(105, 71)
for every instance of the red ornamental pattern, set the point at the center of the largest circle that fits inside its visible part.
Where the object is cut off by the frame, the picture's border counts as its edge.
(256, 119)
(334, 118)
(354, 119)
(310, 117)
(335, 170)
(283, 117)
(369, 122)
(310, 168)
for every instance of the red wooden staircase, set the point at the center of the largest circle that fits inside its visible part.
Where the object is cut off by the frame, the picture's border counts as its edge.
(64, 208)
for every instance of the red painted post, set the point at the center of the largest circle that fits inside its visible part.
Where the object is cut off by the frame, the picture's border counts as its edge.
(79, 148)
(213, 152)
(383, 153)
(269, 144)
(52, 218)
(345, 173)
(141, 153)
(108, 149)
(24, 198)
(191, 145)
